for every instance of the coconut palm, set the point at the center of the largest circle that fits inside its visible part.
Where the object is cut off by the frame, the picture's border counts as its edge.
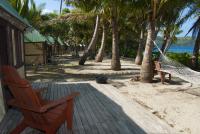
(89, 6)
(116, 9)
(146, 72)
(91, 47)
(156, 10)
(195, 10)
(115, 62)
(100, 55)
(138, 59)
(28, 10)
(172, 21)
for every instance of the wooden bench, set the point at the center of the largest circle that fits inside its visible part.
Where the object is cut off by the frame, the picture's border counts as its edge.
(160, 72)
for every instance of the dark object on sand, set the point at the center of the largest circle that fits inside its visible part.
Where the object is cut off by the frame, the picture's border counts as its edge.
(101, 79)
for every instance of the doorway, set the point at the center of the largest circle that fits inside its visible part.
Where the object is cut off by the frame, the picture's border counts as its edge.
(4, 60)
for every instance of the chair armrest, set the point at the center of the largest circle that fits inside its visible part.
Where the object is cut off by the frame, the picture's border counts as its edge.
(14, 103)
(55, 103)
(46, 107)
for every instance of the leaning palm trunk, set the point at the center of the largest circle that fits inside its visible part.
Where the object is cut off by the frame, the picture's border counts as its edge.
(196, 52)
(115, 62)
(166, 40)
(99, 57)
(92, 44)
(138, 59)
(146, 73)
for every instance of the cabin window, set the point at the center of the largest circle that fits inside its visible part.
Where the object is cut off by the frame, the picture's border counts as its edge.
(14, 48)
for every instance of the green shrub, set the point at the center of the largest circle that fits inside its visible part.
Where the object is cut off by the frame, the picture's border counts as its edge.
(183, 58)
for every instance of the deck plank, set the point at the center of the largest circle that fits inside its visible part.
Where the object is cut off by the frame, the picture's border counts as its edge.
(98, 110)
(104, 116)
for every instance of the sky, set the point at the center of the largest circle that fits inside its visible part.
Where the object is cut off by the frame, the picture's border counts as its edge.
(54, 5)
(50, 5)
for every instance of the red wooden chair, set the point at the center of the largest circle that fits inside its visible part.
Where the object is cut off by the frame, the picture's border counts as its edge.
(40, 114)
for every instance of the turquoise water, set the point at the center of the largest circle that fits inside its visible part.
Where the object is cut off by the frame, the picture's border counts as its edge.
(180, 49)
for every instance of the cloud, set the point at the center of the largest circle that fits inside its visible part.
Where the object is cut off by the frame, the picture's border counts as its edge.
(45, 11)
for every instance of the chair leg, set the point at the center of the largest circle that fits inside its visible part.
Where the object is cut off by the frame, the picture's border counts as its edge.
(19, 128)
(170, 77)
(162, 77)
(69, 116)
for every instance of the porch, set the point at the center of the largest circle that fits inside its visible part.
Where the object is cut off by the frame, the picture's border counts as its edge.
(100, 109)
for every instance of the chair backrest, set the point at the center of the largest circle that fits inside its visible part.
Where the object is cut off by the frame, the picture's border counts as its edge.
(157, 65)
(20, 88)
(23, 93)
(10, 71)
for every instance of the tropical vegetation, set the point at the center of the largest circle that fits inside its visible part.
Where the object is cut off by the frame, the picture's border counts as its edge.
(118, 28)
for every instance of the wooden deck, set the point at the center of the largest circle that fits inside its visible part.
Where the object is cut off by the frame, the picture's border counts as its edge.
(100, 109)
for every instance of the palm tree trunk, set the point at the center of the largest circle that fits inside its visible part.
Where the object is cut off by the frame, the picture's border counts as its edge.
(146, 72)
(166, 40)
(91, 45)
(115, 62)
(138, 59)
(99, 57)
(61, 2)
(196, 52)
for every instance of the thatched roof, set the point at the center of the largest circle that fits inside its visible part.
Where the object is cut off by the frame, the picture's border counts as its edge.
(70, 17)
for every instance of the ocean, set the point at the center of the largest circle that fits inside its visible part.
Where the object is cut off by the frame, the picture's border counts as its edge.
(179, 49)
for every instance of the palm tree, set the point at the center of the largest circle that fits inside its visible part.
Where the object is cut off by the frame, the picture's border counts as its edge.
(172, 21)
(21, 6)
(146, 72)
(92, 44)
(89, 6)
(61, 3)
(28, 10)
(157, 9)
(196, 34)
(115, 62)
(116, 9)
(195, 10)
(99, 56)
(138, 59)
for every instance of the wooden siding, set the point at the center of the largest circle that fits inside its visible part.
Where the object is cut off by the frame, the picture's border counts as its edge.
(35, 53)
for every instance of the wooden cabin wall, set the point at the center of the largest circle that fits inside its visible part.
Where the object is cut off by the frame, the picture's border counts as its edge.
(11, 53)
(35, 53)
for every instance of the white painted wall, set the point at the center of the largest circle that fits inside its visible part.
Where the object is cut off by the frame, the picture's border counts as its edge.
(21, 71)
